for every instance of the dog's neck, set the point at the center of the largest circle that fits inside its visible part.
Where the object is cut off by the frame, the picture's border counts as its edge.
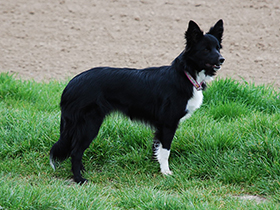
(200, 82)
(199, 79)
(198, 86)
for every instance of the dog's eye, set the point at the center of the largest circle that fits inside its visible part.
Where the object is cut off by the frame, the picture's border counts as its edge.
(207, 50)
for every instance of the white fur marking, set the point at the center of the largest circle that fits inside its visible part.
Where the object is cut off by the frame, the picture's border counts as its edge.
(193, 104)
(162, 157)
(52, 162)
(197, 98)
(202, 77)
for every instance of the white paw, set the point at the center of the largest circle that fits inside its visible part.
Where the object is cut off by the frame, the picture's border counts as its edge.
(166, 172)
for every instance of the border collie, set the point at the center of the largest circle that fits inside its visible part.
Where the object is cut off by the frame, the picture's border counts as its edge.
(160, 96)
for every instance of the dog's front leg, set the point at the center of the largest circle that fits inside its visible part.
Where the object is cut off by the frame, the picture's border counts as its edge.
(162, 155)
(161, 147)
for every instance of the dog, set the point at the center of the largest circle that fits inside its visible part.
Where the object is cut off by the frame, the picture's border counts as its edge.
(160, 96)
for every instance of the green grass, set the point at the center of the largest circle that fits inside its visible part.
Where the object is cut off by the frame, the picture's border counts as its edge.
(229, 147)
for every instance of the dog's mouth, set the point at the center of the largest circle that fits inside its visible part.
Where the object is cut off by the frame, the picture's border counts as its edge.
(215, 67)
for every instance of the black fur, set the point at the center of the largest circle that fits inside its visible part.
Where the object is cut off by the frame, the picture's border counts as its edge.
(157, 96)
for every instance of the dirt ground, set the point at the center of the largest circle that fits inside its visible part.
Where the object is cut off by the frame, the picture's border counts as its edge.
(57, 39)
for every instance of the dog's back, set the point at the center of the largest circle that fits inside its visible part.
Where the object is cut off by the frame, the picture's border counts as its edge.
(142, 94)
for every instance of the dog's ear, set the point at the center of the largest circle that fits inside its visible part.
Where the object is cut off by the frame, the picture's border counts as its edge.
(217, 30)
(193, 34)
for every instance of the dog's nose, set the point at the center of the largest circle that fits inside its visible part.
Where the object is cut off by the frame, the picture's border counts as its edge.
(221, 60)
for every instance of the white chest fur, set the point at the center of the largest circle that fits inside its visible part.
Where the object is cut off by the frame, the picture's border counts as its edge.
(193, 104)
(197, 98)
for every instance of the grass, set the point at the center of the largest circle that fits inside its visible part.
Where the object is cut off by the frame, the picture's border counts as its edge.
(229, 147)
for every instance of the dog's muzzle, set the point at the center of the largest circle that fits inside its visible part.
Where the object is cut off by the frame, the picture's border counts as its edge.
(217, 67)
(221, 61)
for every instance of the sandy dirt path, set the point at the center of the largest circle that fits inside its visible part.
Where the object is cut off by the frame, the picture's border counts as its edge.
(57, 39)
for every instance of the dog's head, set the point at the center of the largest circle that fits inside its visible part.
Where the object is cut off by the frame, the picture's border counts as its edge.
(203, 50)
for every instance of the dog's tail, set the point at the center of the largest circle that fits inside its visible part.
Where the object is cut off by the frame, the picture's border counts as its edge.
(59, 151)
(62, 148)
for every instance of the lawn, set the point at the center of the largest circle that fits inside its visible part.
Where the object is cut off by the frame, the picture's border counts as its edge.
(229, 148)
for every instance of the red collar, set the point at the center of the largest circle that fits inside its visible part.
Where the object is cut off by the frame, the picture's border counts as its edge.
(194, 82)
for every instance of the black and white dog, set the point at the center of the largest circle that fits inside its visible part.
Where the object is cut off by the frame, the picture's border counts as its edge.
(160, 96)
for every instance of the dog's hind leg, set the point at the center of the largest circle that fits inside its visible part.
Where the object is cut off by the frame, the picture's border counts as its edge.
(161, 147)
(85, 133)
